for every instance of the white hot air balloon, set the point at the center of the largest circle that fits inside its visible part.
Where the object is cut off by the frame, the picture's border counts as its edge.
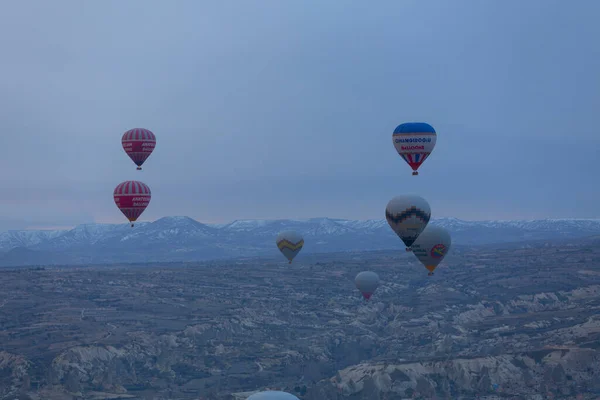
(432, 246)
(367, 282)
(408, 215)
(272, 395)
(289, 243)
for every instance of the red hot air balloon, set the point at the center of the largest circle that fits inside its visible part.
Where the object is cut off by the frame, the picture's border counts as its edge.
(132, 198)
(138, 143)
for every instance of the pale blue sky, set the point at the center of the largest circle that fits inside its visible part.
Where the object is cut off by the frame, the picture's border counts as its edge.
(275, 109)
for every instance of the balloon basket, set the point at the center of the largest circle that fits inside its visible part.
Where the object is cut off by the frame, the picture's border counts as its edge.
(415, 173)
(139, 168)
(408, 249)
(289, 262)
(430, 274)
(132, 225)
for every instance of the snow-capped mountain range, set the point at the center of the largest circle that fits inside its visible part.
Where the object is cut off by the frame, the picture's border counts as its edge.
(184, 239)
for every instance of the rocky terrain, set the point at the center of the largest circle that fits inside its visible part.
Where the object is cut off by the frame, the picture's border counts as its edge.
(182, 239)
(497, 322)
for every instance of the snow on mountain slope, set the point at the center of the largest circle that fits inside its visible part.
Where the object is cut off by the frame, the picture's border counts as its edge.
(246, 225)
(308, 227)
(176, 230)
(589, 225)
(12, 239)
(82, 235)
(184, 239)
(370, 225)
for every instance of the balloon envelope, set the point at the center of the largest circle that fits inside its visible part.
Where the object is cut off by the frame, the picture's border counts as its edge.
(367, 282)
(132, 198)
(272, 395)
(408, 215)
(138, 143)
(414, 141)
(432, 246)
(289, 243)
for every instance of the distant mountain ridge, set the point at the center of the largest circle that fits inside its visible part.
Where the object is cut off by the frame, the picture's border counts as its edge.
(185, 239)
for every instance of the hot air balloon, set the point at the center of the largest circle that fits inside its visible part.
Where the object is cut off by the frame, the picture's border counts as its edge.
(290, 243)
(408, 215)
(272, 395)
(138, 143)
(414, 141)
(132, 198)
(367, 282)
(431, 246)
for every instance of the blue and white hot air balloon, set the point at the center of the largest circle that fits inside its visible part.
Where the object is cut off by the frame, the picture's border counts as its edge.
(414, 141)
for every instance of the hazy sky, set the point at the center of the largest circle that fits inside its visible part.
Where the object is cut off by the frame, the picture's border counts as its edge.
(285, 109)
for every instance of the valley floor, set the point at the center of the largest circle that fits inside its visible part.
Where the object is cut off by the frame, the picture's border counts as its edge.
(493, 322)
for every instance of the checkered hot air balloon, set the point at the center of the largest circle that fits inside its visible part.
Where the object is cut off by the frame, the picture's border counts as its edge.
(408, 215)
(414, 141)
(132, 198)
(138, 143)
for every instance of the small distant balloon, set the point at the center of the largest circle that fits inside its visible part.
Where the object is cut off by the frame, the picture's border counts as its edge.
(272, 395)
(138, 143)
(289, 243)
(431, 246)
(408, 215)
(132, 198)
(367, 282)
(414, 141)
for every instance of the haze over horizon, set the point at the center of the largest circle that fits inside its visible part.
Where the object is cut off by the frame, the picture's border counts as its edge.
(286, 110)
(221, 224)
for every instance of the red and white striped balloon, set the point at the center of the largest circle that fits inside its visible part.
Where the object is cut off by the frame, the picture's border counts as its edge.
(138, 143)
(132, 198)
